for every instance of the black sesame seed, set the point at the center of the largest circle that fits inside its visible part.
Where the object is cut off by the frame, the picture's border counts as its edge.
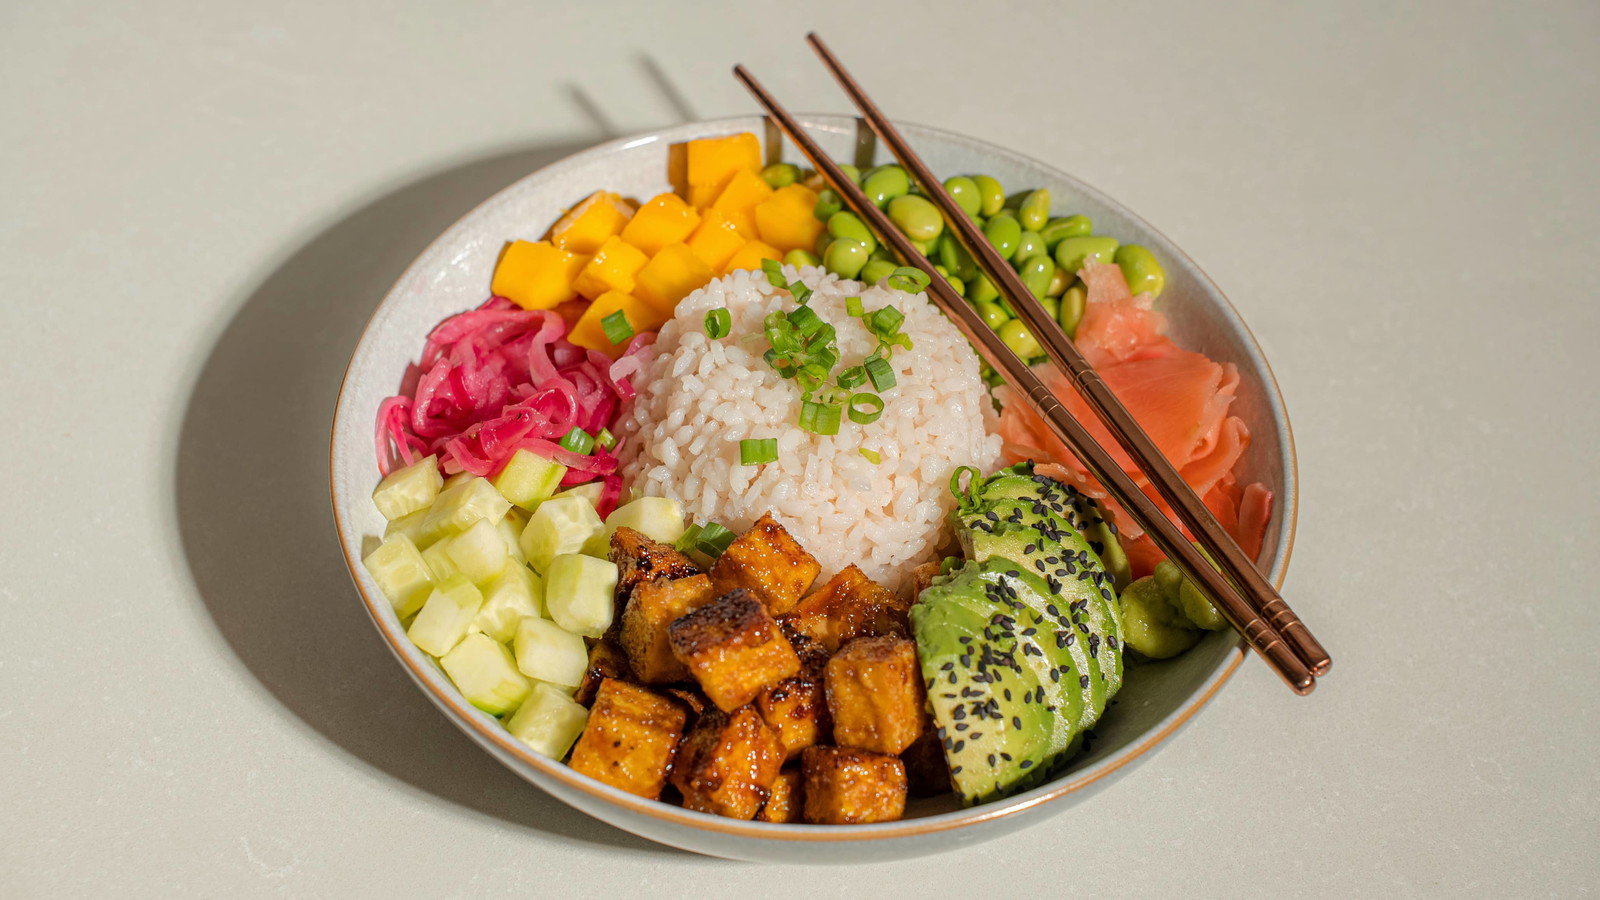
(1083, 680)
(1026, 764)
(1016, 722)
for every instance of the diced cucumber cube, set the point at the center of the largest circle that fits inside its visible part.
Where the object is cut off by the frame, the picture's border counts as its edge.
(404, 491)
(456, 479)
(486, 675)
(560, 525)
(548, 652)
(515, 594)
(479, 552)
(658, 518)
(446, 616)
(401, 573)
(549, 721)
(528, 478)
(511, 529)
(590, 492)
(409, 525)
(579, 592)
(461, 505)
(440, 565)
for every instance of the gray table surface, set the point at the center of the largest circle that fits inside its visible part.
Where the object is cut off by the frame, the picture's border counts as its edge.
(202, 203)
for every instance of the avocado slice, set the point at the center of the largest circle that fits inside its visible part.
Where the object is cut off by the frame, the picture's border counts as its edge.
(1079, 510)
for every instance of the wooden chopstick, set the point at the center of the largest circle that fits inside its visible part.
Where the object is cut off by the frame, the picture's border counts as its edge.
(1191, 510)
(1257, 632)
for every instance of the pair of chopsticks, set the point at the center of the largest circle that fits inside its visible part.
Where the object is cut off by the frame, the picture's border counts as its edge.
(1241, 593)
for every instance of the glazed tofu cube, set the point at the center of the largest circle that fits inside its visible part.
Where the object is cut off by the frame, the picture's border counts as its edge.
(875, 694)
(640, 559)
(845, 786)
(768, 562)
(728, 764)
(797, 707)
(652, 609)
(784, 801)
(849, 606)
(630, 739)
(927, 772)
(733, 648)
(693, 702)
(606, 660)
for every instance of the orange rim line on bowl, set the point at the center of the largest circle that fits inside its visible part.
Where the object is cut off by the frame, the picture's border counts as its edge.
(1258, 632)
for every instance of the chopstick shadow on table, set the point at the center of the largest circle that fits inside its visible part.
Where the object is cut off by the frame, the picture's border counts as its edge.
(251, 495)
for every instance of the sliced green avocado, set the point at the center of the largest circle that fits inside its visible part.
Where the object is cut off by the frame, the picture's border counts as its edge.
(1079, 510)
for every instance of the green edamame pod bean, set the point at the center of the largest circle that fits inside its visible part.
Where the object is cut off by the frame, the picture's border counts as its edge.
(956, 283)
(828, 203)
(877, 269)
(853, 173)
(955, 257)
(1003, 232)
(1058, 283)
(1139, 266)
(1021, 341)
(943, 272)
(1070, 311)
(991, 196)
(1051, 305)
(1073, 252)
(885, 183)
(780, 175)
(1062, 227)
(1170, 578)
(981, 289)
(964, 191)
(1005, 214)
(1035, 273)
(916, 217)
(993, 315)
(1034, 211)
(1029, 245)
(1149, 623)
(882, 251)
(844, 224)
(924, 247)
(1193, 603)
(798, 257)
(820, 248)
(846, 257)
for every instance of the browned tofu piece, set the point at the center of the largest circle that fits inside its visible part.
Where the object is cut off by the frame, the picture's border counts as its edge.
(654, 606)
(606, 660)
(768, 562)
(849, 606)
(640, 559)
(785, 801)
(922, 576)
(875, 694)
(846, 786)
(694, 702)
(927, 772)
(797, 707)
(728, 763)
(733, 648)
(631, 738)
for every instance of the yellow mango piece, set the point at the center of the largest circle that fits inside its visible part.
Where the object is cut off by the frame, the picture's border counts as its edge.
(716, 240)
(750, 256)
(738, 201)
(536, 275)
(712, 163)
(666, 219)
(670, 276)
(612, 268)
(586, 226)
(787, 219)
(590, 329)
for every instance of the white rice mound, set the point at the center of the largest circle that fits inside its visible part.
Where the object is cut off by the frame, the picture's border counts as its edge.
(700, 397)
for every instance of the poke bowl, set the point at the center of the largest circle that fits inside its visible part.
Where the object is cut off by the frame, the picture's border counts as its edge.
(453, 275)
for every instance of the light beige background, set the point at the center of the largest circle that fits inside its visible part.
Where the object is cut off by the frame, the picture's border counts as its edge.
(203, 201)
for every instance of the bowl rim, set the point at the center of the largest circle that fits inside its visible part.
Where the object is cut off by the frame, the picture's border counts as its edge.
(467, 716)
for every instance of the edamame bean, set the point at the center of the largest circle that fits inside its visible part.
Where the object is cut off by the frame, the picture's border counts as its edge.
(1019, 339)
(853, 173)
(981, 289)
(1034, 211)
(844, 224)
(1051, 305)
(820, 248)
(916, 217)
(955, 257)
(1003, 232)
(883, 252)
(959, 285)
(993, 315)
(924, 247)
(1029, 245)
(1062, 227)
(1149, 623)
(964, 191)
(1035, 273)
(780, 175)
(1072, 252)
(828, 203)
(991, 196)
(798, 258)
(1058, 282)
(1071, 308)
(877, 269)
(1139, 266)
(845, 257)
(884, 184)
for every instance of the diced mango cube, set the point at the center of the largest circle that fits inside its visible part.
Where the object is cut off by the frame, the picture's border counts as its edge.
(787, 219)
(586, 226)
(612, 268)
(750, 256)
(671, 275)
(536, 275)
(666, 219)
(712, 162)
(590, 331)
(716, 240)
(738, 201)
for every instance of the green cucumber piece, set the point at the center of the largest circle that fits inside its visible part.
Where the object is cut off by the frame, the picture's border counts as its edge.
(549, 721)
(484, 672)
(549, 653)
(447, 615)
(528, 479)
(405, 491)
(401, 573)
(561, 525)
(579, 593)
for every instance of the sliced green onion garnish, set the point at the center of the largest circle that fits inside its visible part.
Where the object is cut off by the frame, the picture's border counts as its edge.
(578, 440)
(801, 292)
(686, 543)
(755, 451)
(616, 327)
(774, 270)
(805, 320)
(780, 334)
(871, 456)
(819, 418)
(823, 336)
(606, 439)
(880, 373)
(885, 322)
(908, 279)
(852, 305)
(713, 539)
(854, 376)
(865, 408)
(718, 323)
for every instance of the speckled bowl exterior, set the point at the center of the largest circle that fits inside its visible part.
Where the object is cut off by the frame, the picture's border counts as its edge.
(453, 275)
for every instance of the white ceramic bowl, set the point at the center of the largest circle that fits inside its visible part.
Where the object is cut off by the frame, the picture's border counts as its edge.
(453, 275)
